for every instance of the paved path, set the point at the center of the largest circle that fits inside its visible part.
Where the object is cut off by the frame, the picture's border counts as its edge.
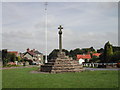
(17, 67)
(94, 69)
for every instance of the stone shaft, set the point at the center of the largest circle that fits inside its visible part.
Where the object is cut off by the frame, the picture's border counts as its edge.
(60, 43)
(60, 38)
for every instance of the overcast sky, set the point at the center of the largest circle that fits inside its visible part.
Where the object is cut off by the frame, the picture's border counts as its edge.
(85, 24)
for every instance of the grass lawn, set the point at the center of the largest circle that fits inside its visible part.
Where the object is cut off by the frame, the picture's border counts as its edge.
(22, 78)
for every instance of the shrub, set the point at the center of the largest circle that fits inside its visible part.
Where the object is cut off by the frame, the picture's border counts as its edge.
(118, 65)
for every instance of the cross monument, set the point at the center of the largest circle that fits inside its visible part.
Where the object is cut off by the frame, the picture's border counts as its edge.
(60, 38)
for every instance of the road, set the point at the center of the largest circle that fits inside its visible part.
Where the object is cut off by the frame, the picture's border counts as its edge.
(94, 69)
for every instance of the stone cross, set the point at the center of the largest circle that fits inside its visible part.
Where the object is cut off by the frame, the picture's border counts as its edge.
(60, 38)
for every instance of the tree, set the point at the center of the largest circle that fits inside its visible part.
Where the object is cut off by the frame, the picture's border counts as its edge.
(54, 53)
(72, 54)
(115, 57)
(18, 58)
(92, 49)
(4, 54)
(94, 59)
(12, 57)
(66, 52)
(4, 57)
(101, 50)
(108, 52)
(88, 50)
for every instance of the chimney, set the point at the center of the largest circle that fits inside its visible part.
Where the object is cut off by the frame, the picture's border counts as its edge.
(33, 50)
(28, 50)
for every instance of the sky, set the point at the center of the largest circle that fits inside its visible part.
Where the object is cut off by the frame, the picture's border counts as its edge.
(85, 24)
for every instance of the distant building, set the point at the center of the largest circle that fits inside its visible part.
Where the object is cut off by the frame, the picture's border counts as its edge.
(96, 54)
(14, 52)
(83, 58)
(86, 57)
(34, 55)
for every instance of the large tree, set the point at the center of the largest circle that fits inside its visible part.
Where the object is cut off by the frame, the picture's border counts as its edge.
(101, 50)
(4, 56)
(108, 52)
(115, 57)
(54, 53)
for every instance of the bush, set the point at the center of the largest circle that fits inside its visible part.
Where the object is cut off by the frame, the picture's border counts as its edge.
(118, 65)
(10, 65)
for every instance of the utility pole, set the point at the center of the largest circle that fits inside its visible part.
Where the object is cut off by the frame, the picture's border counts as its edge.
(46, 30)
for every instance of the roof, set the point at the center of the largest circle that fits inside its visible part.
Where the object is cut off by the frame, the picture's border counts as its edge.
(96, 54)
(87, 56)
(15, 52)
(32, 53)
(37, 52)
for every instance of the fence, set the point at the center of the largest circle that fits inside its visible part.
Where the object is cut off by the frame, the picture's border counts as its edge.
(102, 65)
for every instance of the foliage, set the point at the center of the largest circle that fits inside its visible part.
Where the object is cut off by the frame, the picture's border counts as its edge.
(12, 57)
(116, 49)
(8, 57)
(111, 54)
(4, 54)
(72, 53)
(94, 59)
(101, 50)
(115, 57)
(4, 57)
(9, 65)
(118, 65)
(5, 61)
(54, 53)
(108, 52)
(18, 58)
(88, 50)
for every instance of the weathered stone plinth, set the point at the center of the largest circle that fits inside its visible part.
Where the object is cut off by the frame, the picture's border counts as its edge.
(62, 64)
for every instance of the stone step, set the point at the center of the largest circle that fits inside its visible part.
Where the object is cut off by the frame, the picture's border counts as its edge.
(63, 68)
(59, 71)
(64, 65)
(60, 64)
(67, 67)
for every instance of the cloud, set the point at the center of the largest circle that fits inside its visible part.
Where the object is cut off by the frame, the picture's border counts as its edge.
(85, 25)
(89, 39)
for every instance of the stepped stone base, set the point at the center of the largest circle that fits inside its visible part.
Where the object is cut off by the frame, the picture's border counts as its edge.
(62, 64)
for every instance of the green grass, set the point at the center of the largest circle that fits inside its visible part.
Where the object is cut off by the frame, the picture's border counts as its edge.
(22, 78)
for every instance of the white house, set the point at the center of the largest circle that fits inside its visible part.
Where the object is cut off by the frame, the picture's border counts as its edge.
(81, 61)
(34, 55)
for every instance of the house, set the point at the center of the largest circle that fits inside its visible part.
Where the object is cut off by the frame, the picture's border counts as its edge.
(83, 58)
(34, 56)
(86, 57)
(14, 52)
(81, 61)
(96, 54)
